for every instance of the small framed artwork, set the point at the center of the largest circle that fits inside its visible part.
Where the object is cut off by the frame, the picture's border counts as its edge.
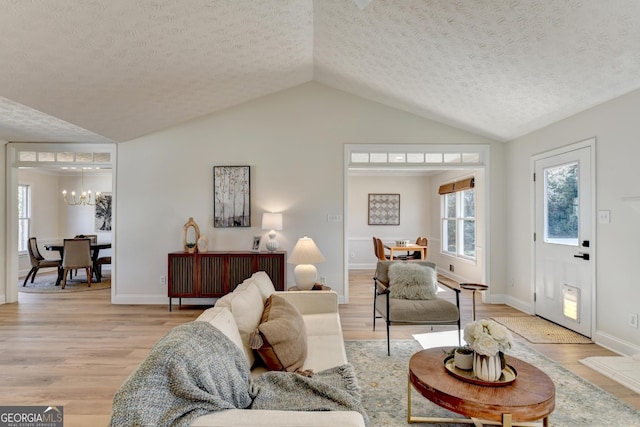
(103, 213)
(231, 196)
(256, 243)
(384, 209)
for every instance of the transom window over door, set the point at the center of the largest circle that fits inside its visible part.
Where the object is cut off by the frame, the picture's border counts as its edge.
(458, 203)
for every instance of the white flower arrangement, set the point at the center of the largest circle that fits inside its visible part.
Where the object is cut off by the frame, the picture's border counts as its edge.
(488, 337)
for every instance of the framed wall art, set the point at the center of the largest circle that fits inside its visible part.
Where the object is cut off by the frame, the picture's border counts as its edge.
(256, 243)
(384, 209)
(103, 212)
(231, 196)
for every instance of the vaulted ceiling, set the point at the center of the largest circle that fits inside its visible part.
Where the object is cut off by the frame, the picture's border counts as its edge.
(96, 70)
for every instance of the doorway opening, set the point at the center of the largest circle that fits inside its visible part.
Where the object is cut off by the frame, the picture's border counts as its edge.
(50, 168)
(415, 172)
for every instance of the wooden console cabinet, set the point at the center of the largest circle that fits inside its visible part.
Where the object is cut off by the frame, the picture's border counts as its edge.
(214, 274)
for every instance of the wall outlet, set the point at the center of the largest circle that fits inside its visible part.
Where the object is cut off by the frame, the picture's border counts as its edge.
(163, 280)
(451, 268)
(633, 320)
(334, 218)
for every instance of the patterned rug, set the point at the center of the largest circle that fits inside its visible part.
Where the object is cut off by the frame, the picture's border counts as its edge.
(383, 380)
(45, 283)
(540, 331)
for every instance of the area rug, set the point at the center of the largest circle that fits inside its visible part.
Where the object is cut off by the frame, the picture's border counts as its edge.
(540, 331)
(45, 283)
(383, 380)
(624, 370)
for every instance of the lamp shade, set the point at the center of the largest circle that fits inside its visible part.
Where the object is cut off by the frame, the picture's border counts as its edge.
(305, 252)
(271, 221)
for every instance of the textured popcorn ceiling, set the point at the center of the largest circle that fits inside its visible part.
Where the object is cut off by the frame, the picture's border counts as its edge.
(80, 70)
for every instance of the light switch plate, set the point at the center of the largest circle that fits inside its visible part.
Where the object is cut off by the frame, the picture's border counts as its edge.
(604, 217)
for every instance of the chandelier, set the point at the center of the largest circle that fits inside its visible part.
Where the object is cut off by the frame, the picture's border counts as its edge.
(85, 198)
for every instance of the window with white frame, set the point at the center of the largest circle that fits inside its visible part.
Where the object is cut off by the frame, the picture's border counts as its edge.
(24, 216)
(459, 218)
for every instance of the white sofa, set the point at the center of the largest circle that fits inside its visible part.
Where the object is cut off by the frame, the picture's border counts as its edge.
(239, 313)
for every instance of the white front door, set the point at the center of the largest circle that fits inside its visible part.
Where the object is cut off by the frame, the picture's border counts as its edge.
(563, 238)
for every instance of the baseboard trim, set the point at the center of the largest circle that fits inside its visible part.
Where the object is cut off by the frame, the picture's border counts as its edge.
(615, 344)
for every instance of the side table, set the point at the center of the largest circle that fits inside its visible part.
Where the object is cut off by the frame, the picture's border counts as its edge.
(316, 287)
(474, 287)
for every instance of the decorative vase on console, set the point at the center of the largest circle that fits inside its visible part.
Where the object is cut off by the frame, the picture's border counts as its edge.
(489, 340)
(190, 236)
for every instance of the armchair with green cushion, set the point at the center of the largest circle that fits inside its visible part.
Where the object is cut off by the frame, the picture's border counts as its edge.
(406, 293)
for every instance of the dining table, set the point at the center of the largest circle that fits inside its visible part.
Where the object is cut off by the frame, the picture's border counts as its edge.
(411, 247)
(96, 247)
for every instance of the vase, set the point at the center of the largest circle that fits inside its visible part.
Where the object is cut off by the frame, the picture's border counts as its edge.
(487, 368)
(463, 360)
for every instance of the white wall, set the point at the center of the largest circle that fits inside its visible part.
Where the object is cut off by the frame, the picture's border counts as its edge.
(74, 220)
(616, 128)
(3, 225)
(294, 142)
(414, 214)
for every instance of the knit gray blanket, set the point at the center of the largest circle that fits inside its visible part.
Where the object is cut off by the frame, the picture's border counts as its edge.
(195, 370)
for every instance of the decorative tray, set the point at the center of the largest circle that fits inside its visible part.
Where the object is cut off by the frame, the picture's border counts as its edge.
(509, 375)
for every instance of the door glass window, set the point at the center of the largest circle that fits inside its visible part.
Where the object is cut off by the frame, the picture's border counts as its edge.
(561, 204)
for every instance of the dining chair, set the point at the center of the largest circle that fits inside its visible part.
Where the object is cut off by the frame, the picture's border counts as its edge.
(93, 238)
(103, 260)
(38, 261)
(76, 254)
(422, 241)
(382, 256)
(379, 249)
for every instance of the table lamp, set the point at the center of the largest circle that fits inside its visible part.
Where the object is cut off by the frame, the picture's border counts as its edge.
(305, 253)
(272, 221)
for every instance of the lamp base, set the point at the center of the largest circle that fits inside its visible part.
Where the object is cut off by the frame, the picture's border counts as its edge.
(305, 275)
(272, 243)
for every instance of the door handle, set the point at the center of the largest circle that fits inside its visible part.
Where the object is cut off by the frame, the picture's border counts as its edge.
(583, 256)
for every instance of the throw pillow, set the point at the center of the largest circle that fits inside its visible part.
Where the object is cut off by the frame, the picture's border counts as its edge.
(412, 281)
(281, 338)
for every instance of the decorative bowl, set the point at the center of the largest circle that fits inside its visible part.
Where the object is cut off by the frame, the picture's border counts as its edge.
(402, 242)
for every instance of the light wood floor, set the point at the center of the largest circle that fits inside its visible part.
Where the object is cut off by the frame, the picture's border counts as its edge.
(76, 349)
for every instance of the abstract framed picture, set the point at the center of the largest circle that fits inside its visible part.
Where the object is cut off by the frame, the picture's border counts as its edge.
(103, 212)
(231, 196)
(384, 209)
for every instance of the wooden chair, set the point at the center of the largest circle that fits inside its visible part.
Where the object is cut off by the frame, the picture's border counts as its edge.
(377, 246)
(434, 312)
(76, 254)
(422, 241)
(379, 250)
(38, 261)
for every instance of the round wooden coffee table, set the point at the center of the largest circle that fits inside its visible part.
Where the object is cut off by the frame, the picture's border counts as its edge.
(531, 397)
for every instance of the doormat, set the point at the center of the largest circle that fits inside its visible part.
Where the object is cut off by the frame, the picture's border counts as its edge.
(540, 331)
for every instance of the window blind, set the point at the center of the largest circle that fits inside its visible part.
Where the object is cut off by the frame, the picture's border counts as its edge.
(452, 187)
